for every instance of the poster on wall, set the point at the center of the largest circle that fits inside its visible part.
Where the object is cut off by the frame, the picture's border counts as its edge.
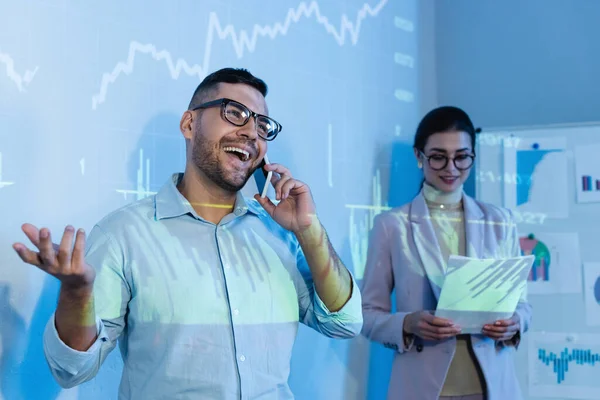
(591, 285)
(564, 366)
(557, 265)
(587, 173)
(535, 176)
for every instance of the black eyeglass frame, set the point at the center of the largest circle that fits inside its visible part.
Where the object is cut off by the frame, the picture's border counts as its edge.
(223, 102)
(428, 158)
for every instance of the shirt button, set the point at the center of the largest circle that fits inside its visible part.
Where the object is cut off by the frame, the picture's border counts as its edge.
(236, 311)
(242, 358)
(238, 211)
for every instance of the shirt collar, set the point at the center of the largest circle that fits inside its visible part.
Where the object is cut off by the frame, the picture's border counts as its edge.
(170, 203)
(436, 196)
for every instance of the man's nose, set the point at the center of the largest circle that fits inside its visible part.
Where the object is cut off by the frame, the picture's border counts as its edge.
(249, 130)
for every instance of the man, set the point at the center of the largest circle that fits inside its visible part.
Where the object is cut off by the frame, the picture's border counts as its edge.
(202, 288)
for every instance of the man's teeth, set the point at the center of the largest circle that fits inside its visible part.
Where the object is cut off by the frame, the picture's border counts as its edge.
(245, 154)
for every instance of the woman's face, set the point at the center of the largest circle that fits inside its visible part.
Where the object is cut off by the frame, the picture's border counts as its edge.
(444, 148)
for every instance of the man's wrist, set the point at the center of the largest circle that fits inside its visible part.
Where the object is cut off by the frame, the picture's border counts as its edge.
(311, 234)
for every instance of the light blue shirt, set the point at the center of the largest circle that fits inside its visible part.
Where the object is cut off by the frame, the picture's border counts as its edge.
(200, 311)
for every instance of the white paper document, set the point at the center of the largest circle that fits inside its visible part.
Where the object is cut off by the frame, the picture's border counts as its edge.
(481, 291)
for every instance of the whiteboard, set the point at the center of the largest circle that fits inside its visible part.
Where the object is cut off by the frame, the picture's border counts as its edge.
(563, 314)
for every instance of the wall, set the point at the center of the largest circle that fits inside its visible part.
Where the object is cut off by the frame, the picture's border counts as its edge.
(512, 63)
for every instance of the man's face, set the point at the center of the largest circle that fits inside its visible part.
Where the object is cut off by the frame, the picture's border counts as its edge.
(227, 154)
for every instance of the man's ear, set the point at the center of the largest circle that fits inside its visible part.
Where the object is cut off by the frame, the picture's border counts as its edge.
(185, 125)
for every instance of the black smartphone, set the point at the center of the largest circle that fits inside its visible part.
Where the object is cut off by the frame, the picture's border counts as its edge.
(260, 176)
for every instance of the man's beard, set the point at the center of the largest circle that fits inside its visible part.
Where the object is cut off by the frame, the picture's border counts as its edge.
(205, 156)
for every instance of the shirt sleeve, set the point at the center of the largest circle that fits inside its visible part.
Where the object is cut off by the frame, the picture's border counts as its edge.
(344, 323)
(71, 367)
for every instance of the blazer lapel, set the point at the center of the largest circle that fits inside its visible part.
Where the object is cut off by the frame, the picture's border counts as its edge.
(427, 245)
(474, 228)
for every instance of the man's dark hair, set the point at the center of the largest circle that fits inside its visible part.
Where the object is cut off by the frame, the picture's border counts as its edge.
(226, 75)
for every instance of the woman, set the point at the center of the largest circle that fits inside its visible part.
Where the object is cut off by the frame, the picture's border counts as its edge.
(408, 250)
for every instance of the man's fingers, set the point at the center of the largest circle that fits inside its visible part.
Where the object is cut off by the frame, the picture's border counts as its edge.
(266, 203)
(78, 258)
(66, 244)
(287, 188)
(280, 169)
(47, 253)
(28, 256)
(32, 233)
(279, 186)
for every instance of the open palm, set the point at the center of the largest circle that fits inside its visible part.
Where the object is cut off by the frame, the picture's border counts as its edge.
(64, 261)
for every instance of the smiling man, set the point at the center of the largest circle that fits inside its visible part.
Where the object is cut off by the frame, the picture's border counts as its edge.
(202, 288)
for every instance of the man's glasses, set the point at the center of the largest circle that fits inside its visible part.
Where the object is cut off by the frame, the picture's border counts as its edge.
(239, 115)
(438, 162)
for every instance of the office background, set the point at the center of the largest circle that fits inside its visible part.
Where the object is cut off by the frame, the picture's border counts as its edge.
(90, 100)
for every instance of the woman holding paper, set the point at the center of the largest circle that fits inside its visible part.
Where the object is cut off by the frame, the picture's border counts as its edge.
(408, 250)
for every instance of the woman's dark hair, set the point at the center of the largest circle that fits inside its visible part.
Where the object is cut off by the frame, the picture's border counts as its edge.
(443, 119)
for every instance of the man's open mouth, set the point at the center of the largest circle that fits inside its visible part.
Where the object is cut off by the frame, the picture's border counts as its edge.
(242, 154)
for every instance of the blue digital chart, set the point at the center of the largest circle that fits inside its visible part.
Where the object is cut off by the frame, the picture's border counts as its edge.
(564, 365)
(539, 168)
(527, 163)
(91, 96)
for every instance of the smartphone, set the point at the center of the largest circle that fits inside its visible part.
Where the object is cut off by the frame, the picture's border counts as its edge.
(263, 177)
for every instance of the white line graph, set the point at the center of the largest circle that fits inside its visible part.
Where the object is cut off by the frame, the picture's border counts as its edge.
(142, 180)
(20, 80)
(361, 224)
(242, 41)
(3, 183)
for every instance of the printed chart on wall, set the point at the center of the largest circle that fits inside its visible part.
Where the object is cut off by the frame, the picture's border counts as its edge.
(564, 366)
(557, 265)
(587, 173)
(591, 276)
(539, 166)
